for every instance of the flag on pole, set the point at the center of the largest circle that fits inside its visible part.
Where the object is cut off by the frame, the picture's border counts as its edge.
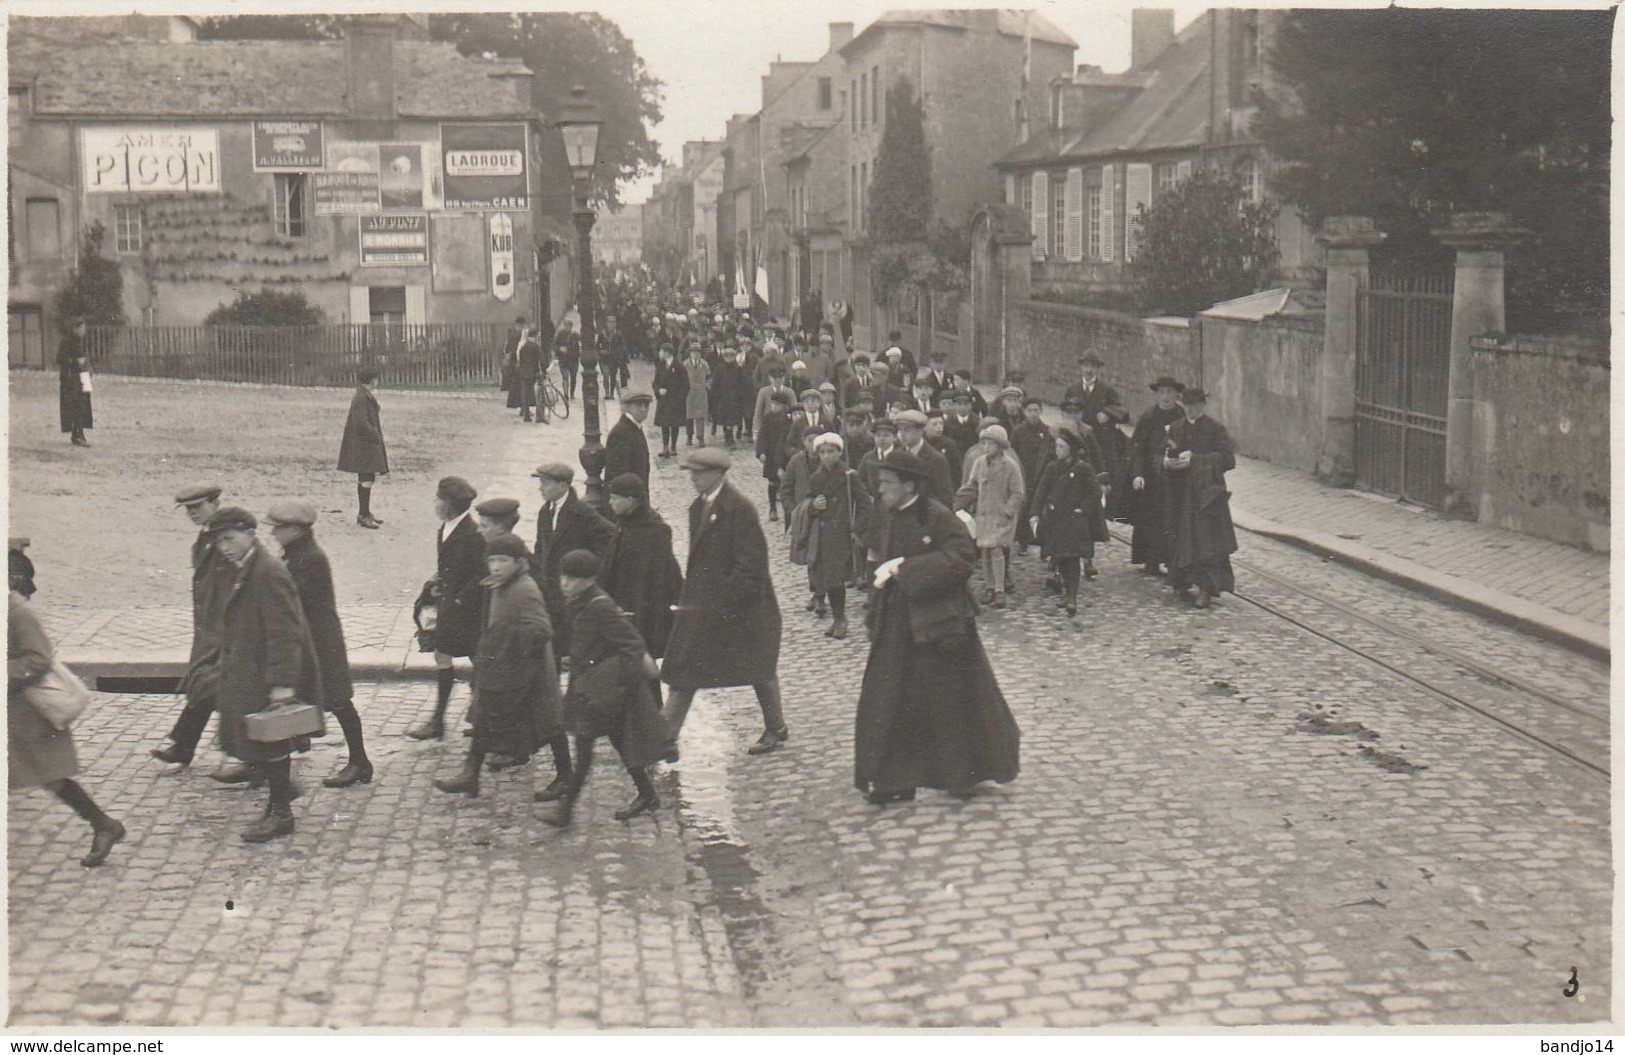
(761, 284)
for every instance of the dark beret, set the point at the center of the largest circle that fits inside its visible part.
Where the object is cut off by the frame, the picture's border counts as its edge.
(231, 518)
(579, 564)
(455, 490)
(629, 485)
(509, 545)
(498, 507)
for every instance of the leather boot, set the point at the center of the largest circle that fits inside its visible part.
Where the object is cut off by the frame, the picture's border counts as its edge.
(468, 781)
(562, 813)
(435, 727)
(278, 818)
(240, 773)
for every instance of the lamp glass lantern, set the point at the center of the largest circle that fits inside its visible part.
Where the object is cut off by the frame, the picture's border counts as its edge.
(578, 125)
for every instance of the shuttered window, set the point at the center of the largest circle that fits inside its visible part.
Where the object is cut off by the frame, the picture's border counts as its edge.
(1136, 193)
(1040, 215)
(1094, 222)
(1057, 222)
(1074, 214)
(1009, 188)
(1108, 213)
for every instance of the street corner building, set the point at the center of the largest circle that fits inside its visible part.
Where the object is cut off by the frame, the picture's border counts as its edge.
(385, 176)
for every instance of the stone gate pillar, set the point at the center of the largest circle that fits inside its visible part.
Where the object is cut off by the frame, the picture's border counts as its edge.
(1348, 241)
(1480, 240)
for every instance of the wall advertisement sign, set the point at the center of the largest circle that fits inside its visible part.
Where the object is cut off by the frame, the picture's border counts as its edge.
(501, 256)
(349, 186)
(288, 146)
(166, 160)
(485, 166)
(395, 240)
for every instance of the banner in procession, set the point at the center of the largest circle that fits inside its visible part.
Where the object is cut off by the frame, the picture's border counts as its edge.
(134, 160)
(288, 146)
(485, 166)
(349, 186)
(398, 240)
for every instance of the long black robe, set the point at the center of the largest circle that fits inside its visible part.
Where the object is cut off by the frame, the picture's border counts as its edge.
(1147, 510)
(1201, 535)
(930, 713)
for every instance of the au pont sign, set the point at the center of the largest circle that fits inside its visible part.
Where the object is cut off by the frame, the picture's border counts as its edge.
(168, 160)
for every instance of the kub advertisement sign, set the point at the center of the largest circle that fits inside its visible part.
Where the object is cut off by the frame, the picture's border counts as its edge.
(396, 240)
(501, 256)
(168, 160)
(287, 146)
(485, 166)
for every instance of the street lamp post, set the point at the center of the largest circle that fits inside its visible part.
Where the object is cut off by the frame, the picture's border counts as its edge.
(579, 125)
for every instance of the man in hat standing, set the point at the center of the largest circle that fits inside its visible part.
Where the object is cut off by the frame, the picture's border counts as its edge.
(362, 450)
(1103, 412)
(293, 526)
(565, 523)
(627, 449)
(911, 438)
(267, 660)
(728, 624)
(201, 682)
(930, 713)
(1201, 536)
(1145, 504)
(941, 379)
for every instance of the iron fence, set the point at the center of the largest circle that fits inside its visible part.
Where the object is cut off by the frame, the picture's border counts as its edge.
(436, 355)
(1402, 384)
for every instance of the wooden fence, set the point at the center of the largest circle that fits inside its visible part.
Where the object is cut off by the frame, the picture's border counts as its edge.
(440, 355)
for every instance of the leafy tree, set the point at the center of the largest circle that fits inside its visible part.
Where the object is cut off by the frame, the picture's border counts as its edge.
(266, 308)
(269, 27)
(1203, 243)
(1411, 115)
(907, 247)
(95, 287)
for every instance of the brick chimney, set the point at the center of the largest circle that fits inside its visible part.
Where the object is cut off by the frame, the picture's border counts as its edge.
(840, 35)
(1153, 32)
(369, 51)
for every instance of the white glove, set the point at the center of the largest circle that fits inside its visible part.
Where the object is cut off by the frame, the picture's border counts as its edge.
(966, 519)
(887, 572)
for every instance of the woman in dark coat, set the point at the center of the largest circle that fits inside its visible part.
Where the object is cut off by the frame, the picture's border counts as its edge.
(1145, 505)
(362, 449)
(40, 755)
(930, 713)
(73, 380)
(1066, 514)
(612, 678)
(267, 658)
(516, 683)
(1201, 535)
(839, 511)
(671, 400)
(447, 610)
(293, 528)
(730, 395)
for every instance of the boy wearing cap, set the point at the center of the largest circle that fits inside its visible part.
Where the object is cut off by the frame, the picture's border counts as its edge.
(977, 405)
(1201, 536)
(293, 526)
(1030, 440)
(564, 523)
(1102, 413)
(362, 449)
(728, 626)
(640, 572)
(627, 449)
(838, 508)
(1145, 505)
(936, 437)
(771, 433)
(911, 438)
(447, 609)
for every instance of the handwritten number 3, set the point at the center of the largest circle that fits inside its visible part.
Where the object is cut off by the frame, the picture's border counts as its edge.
(1574, 982)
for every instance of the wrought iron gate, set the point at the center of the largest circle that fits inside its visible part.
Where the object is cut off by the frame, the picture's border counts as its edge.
(1402, 386)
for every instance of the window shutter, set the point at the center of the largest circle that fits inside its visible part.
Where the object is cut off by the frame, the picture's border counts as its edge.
(1074, 214)
(1010, 188)
(1136, 192)
(1040, 214)
(1108, 213)
(360, 305)
(1183, 172)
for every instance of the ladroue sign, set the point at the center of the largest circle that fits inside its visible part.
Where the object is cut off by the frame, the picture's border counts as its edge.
(397, 240)
(485, 166)
(287, 146)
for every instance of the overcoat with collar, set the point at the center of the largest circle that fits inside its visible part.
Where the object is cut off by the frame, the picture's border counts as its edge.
(455, 590)
(626, 450)
(362, 449)
(728, 625)
(579, 527)
(313, 579)
(264, 644)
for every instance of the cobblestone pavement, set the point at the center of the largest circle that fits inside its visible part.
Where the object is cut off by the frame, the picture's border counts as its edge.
(1221, 820)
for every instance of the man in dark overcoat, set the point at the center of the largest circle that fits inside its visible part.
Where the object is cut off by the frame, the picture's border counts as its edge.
(627, 448)
(930, 713)
(911, 438)
(267, 659)
(362, 450)
(1146, 504)
(73, 380)
(1201, 535)
(564, 523)
(447, 610)
(1030, 440)
(728, 624)
(293, 526)
(641, 572)
(1103, 412)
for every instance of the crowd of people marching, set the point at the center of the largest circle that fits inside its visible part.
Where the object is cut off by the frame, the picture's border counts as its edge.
(885, 477)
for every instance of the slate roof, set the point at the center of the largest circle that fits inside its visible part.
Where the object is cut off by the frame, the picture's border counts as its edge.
(1010, 22)
(1170, 113)
(252, 78)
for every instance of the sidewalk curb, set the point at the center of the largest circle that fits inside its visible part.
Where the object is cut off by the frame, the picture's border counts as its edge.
(1527, 616)
(93, 666)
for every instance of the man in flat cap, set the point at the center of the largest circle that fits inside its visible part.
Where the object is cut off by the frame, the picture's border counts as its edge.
(911, 438)
(627, 449)
(640, 572)
(1201, 535)
(930, 713)
(362, 450)
(728, 624)
(267, 659)
(293, 526)
(447, 610)
(1103, 412)
(564, 523)
(963, 384)
(200, 684)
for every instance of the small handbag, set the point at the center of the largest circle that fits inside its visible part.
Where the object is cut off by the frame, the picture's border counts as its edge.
(59, 696)
(283, 721)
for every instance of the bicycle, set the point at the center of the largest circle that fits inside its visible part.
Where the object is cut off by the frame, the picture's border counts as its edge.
(550, 398)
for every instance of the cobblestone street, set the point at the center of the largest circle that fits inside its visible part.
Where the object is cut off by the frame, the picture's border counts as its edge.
(1222, 819)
